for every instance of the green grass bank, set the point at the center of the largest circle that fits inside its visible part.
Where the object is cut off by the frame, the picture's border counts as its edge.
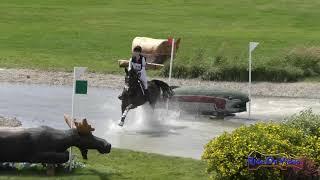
(122, 164)
(57, 34)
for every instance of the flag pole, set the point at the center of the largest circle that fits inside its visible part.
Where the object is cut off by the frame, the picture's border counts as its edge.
(250, 80)
(171, 59)
(252, 46)
(73, 92)
(170, 70)
(79, 87)
(72, 113)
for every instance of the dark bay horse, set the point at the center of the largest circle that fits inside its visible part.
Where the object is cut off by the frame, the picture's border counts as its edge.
(133, 93)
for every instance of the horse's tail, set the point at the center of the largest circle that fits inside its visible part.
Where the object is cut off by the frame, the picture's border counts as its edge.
(167, 91)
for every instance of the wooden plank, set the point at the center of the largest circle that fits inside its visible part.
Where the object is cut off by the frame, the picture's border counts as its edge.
(154, 66)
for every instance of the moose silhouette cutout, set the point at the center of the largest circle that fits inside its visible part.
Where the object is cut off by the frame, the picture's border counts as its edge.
(48, 145)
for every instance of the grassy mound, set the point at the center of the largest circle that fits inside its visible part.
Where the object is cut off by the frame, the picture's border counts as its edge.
(122, 164)
(58, 35)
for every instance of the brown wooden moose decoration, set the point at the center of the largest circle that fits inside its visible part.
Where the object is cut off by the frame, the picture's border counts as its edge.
(48, 145)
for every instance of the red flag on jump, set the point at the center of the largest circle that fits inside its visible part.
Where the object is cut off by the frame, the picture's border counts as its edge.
(170, 39)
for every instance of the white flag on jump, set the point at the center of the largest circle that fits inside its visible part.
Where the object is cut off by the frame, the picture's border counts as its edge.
(253, 45)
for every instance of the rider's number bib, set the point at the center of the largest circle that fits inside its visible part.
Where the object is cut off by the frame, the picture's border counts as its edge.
(136, 66)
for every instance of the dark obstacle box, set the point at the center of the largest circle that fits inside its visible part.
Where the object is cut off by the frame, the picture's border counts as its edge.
(208, 100)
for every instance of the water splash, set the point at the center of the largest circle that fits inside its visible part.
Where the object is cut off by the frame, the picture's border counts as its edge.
(144, 119)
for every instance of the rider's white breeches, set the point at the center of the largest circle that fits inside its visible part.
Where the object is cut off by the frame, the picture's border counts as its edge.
(144, 80)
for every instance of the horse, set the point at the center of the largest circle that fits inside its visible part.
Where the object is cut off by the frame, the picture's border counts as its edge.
(133, 93)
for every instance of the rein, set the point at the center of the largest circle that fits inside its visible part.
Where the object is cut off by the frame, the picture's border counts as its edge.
(134, 85)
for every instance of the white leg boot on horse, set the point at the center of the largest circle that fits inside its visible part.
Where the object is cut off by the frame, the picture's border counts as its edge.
(124, 115)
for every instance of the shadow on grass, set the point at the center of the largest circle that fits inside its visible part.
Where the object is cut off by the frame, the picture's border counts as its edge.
(103, 175)
(60, 173)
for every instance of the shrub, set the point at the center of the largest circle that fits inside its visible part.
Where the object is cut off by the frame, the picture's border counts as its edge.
(307, 59)
(306, 120)
(183, 71)
(178, 71)
(197, 64)
(219, 60)
(226, 155)
(277, 73)
(195, 71)
(290, 67)
(235, 72)
(190, 67)
(228, 71)
(212, 74)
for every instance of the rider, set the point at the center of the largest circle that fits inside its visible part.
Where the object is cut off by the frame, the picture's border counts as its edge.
(138, 63)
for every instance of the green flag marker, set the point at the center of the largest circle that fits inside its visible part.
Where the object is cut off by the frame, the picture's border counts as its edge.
(81, 87)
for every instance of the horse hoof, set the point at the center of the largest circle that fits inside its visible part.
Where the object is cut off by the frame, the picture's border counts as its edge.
(121, 123)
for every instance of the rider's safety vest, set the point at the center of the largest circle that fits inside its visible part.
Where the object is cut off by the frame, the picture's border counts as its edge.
(138, 64)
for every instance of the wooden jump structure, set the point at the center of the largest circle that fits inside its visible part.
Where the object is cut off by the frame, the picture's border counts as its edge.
(125, 63)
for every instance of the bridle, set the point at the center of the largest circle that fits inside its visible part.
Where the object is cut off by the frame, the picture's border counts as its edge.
(132, 81)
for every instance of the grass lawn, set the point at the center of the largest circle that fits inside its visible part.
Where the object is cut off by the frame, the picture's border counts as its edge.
(59, 34)
(123, 164)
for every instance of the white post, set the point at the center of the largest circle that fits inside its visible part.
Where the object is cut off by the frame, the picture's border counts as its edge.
(77, 72)
(171, 59)
(249, 82)
(73, 91)
(170, 71)
(252, 46)
(72, 114)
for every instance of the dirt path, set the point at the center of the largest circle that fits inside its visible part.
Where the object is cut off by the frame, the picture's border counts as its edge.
(299, 89)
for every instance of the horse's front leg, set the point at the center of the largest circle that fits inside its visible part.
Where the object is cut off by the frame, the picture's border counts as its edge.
(153, 106)
(124, 114)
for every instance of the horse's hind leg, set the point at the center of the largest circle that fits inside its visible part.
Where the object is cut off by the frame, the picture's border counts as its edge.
(124, 115)
(153, 106)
